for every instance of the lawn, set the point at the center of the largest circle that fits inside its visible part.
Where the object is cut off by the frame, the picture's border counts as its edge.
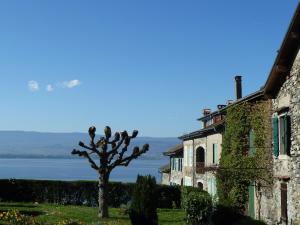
(52, 214)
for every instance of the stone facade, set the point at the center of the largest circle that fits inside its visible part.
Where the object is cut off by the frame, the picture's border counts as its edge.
(192, 175)
(287, 167)
(165, 178)
(176, 177)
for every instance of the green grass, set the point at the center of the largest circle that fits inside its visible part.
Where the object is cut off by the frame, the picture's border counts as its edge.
(52, 214)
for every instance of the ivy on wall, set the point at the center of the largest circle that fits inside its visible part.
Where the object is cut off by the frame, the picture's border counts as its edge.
(246, 155)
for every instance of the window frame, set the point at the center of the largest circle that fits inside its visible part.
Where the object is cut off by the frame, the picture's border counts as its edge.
(281, 137)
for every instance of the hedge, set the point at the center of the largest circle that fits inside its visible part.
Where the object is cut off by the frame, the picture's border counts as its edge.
(79, 192)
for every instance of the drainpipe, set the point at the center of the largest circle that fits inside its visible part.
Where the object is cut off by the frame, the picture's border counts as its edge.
(194, 168)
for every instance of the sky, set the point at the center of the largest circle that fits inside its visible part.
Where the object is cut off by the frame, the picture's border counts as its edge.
(135, 64)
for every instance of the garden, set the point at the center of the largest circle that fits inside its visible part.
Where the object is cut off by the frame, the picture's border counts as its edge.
(71, 203)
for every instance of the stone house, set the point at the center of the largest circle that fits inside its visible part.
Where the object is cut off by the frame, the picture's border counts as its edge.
(175, 155)
(202, 150)
(165, 172)
(283, 87)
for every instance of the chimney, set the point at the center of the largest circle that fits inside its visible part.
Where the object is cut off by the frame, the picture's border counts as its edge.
(219, 107)
(238, 87)
(206, 112)
(229, 102)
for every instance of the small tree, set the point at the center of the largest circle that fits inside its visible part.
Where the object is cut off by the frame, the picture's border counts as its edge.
(144, 202)
(198, 208)
(111, 153)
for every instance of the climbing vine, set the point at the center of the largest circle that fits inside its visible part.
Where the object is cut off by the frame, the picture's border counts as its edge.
(246, 153)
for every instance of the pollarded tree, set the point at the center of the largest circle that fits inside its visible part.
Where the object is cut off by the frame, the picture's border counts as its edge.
(111, 153)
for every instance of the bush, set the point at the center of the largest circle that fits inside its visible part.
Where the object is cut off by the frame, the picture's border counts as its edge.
(143, 205)
(79, 192)
(185, 190)
(198, 208)
(14, 217)
(224, 215)
(168, 197)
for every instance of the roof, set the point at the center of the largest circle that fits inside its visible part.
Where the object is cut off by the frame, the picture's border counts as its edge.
(249, 97)
(203, 132)
(285, 58)
(174, 150)
(217, 112)
(219, 125)
(165, 169)
(253, 96)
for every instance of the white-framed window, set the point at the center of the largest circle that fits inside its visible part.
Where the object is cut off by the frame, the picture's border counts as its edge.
(187, 181)
(281, 134)
(176, 164)
(212, 186)
(215, 154)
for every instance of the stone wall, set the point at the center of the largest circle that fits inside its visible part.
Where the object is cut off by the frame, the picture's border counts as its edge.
(176, 177)
(165, 178)
(287, 168)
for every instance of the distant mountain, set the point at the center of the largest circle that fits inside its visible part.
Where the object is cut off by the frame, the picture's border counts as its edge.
(37, 144)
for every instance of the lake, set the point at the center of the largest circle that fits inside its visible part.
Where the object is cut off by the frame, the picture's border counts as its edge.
(74, 169)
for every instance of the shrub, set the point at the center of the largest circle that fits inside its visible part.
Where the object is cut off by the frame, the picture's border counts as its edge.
(185, 190)
(198, 208)
(168, 196)
(143, 205)
(79, 192)
(224, 215)
(14, 217)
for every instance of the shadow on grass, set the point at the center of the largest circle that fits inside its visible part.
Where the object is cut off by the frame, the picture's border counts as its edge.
(228, 216)
(27, 213)
(169, 221)
(17, 205)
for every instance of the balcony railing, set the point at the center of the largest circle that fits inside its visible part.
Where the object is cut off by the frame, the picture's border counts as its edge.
(200, 167)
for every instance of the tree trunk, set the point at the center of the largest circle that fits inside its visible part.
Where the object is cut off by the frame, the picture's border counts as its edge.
(103, 196)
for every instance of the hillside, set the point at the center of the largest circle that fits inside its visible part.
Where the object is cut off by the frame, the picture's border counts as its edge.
(38, 144)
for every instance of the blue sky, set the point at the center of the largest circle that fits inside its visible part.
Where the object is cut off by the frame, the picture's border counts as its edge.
(134, 64)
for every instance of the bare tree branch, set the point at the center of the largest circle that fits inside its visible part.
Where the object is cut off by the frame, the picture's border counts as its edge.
(135, 153)
(94, 149)
(108, 161)
(86, 155)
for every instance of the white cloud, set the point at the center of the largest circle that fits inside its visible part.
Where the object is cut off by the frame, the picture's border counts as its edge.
(49, 88)
(33, 85)
(71, 83)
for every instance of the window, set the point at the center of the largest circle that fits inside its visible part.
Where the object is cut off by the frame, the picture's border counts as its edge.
(215, 153)
(284, 212)
(200, 186)
(211, 186)
(180, 164)
(281, 134)
(252, 149)
(187, 181)
(176, 164)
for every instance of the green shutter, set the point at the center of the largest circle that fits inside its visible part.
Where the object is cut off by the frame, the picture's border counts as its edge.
(287, 134)
(252, 149)
(215, 153)
(214, 160)
(251, 201)
(275, 137)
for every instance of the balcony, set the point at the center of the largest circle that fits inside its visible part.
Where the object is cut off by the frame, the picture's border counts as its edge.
(200, 167)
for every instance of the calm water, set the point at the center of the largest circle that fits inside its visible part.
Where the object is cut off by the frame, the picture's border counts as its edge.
(73, 169)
